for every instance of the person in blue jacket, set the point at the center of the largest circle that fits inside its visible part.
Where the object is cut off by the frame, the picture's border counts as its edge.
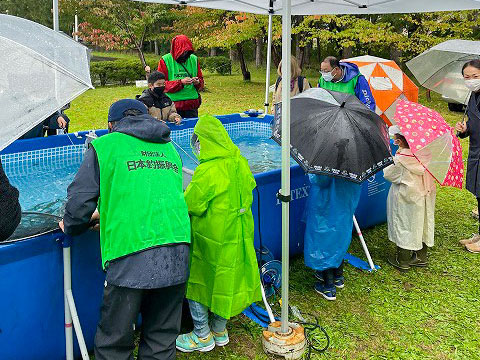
(345, 77)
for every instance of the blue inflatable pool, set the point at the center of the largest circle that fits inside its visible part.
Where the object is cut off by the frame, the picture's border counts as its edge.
(31, 275)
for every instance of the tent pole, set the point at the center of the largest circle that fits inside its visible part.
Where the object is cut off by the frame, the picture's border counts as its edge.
(364, 245)
(76, 27)
(55, 15)
(269, 56)
(286, 75)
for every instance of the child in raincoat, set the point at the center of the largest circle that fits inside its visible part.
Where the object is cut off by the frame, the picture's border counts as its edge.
(224, 276)
(410, 206)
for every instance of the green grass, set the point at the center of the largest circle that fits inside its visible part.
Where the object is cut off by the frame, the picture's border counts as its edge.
(423, 314)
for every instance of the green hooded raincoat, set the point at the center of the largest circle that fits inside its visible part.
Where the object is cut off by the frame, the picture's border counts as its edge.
(224, 275)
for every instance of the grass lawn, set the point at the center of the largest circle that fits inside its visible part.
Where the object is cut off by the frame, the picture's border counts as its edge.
(423, 314)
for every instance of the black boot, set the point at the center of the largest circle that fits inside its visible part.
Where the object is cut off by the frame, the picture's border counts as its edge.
(419, 258)
(401, 259)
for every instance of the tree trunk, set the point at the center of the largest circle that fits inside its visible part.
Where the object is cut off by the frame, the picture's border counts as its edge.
(301, 56)
(276, 55)
(233, 54)
(297, 47)
(395, 54)
(213, 51)
(347, 52)
(156, 47)
(306, 54)
(319, 50)
(243, 64)
(259, 52)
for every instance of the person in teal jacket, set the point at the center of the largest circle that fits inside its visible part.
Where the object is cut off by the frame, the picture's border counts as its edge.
(224, 276)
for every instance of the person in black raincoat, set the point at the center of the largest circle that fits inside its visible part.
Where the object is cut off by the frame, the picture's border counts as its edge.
(471, 74)
(10, 211)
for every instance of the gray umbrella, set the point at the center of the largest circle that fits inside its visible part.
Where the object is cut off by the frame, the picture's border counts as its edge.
(440, 68)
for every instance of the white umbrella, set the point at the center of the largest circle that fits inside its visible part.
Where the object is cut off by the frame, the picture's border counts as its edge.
(440, 68)
(311, 7)
(42, 70)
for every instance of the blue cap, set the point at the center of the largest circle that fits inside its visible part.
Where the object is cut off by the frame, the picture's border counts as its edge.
(118, 109)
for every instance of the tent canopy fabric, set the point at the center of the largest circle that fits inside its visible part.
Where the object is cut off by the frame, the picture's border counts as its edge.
(388, 84)
(42, 70)
(324, 7)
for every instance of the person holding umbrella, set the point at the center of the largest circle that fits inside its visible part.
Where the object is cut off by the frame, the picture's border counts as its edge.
(340, 143)
(471, 128)
(410, 206)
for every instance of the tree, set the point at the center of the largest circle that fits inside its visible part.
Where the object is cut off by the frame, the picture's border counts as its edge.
(116, 24)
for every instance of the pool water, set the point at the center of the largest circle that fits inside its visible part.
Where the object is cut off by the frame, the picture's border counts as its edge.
(42, 176)
(263, 154)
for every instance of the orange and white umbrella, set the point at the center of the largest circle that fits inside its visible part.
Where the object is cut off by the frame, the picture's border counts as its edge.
(388, 83)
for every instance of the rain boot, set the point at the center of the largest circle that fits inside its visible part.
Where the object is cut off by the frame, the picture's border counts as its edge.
(401, 259)
(419, 258)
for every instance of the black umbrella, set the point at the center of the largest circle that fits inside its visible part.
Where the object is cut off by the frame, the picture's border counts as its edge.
(335, 134)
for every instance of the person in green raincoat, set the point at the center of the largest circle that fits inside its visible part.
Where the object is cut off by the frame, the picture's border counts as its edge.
(224, 276)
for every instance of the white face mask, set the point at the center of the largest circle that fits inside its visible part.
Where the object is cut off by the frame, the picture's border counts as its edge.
(473, 84)
(327, 76)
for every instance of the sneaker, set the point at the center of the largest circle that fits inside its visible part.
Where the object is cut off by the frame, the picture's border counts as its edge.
(329, 293)
(191, 342)
(339, 282)
(221, 338)
(474, 239)
(473, 247)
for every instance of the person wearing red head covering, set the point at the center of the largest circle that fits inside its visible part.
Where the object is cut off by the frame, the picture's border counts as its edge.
(184, 76)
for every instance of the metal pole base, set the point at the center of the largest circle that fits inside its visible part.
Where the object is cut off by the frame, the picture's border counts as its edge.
(290, 345)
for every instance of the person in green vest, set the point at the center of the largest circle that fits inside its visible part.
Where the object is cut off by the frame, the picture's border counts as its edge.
(134, 176)
(224, 276)
(345, 77)
(184, 76)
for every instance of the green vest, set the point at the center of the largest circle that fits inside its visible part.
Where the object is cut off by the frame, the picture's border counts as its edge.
(177, 72)
(141, 201)
(348, 87)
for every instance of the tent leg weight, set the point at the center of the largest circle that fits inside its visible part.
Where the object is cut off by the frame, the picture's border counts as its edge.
(290, 345)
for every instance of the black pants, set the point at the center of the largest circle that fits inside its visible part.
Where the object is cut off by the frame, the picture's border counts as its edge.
(478, 207)
(186, 114)
(329, 275)
(161, 311)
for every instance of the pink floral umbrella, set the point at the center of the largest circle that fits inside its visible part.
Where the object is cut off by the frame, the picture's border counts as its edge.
(432, 141)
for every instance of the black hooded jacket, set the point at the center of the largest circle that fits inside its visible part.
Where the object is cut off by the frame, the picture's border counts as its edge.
(152, 268)
(10, 211)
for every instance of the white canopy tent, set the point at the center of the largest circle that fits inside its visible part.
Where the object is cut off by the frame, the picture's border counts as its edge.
(286, 8)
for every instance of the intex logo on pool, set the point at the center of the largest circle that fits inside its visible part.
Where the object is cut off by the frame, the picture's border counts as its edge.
(298, 193)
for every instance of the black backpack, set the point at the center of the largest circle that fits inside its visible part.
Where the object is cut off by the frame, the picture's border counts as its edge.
(299, 79)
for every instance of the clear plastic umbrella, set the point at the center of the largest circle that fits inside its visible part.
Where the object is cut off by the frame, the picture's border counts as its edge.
(42, 70)
(440, 68)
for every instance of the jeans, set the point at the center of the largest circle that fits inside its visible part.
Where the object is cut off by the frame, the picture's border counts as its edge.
(200, 320)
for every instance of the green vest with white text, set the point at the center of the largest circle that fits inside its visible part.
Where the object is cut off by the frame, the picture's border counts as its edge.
(141, 201)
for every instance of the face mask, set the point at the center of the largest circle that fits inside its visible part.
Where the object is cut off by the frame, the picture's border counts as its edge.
(327, 76)
(473, 84)
(159, 90)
